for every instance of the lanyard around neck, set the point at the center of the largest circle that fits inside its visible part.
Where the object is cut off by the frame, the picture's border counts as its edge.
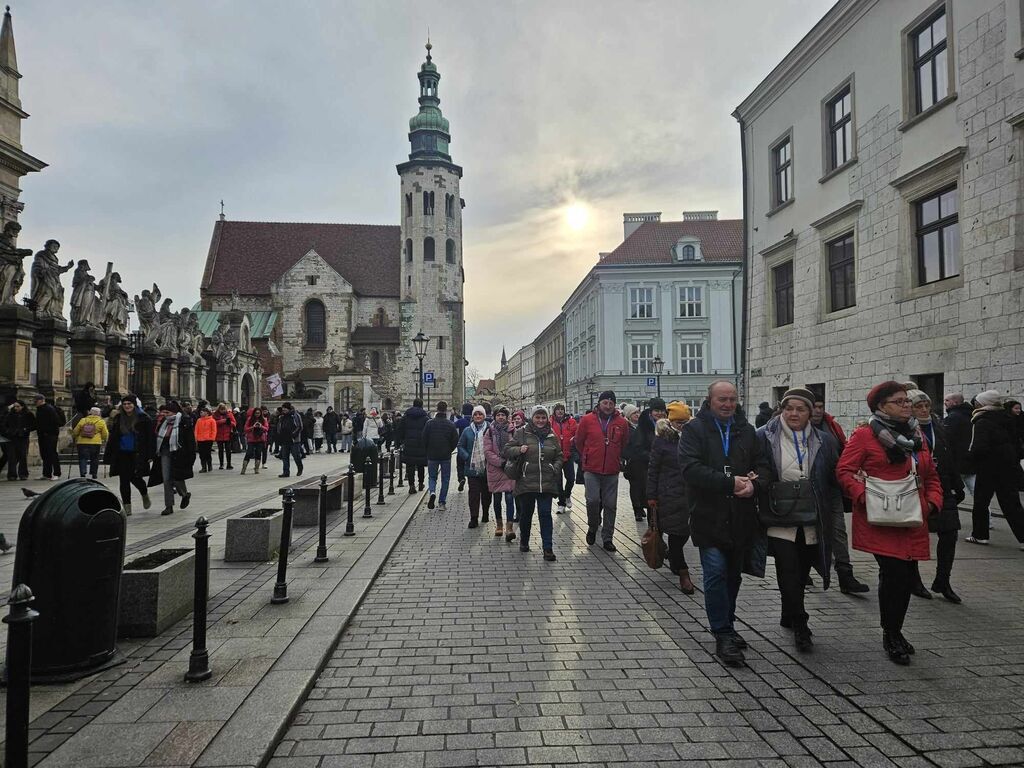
(800, 454)
(725, 434)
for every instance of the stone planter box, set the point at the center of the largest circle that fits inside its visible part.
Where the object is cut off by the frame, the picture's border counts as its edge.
(157, 590)
(255, 537)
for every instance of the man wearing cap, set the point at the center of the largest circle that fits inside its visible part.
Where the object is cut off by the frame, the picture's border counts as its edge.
(600, 440)
(724, 467)
(638, 455)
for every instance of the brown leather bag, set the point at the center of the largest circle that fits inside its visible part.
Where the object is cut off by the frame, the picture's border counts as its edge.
(652, 543)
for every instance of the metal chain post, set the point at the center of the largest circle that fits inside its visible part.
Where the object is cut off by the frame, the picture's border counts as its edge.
(321, 547)
(281, 587)
(350, 528)
(367, 488)
(391, 473)
(199, 659)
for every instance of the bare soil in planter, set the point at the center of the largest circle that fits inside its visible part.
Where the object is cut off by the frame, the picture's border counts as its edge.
(262, 513)
(154, 559)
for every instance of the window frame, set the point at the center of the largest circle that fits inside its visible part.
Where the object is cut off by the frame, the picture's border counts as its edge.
(939, 226)
(641, 366)
(912, 113)
(829, 165)
(699, 302)
(408, 250)
(849, 266)
(449, 251)
(702, 360)
(775, 293)
(307, 340)
(429, 249)
(635, 304)
(929, 60)
(789, 167)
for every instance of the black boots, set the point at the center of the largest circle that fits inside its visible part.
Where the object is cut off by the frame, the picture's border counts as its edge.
(802, 638)
(728, 650)
(897, 648)
(849, 585)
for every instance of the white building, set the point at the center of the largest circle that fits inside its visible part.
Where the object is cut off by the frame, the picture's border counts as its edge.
(672, 290)
(528, 376)
(882, 190)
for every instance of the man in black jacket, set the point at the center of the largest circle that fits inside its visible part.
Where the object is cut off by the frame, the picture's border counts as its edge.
(958, 430)
(638, 455)
(996, 455)
(332, 426)
(440, 437)
(723, 464)
(410, 436)
(49, 420)
(289, 438)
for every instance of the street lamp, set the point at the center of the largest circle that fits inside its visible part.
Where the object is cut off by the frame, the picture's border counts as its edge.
(657, 366)
(419, 343)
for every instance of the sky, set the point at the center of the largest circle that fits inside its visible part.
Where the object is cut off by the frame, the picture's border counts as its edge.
(564, 115)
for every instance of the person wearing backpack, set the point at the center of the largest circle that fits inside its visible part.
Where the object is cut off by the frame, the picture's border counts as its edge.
(90, 433)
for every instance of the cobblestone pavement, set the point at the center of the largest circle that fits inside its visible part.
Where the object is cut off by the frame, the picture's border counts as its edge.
(468, 652)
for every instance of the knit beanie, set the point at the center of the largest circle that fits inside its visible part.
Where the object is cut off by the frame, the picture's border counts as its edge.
(883, 391)
(501, 409)
(799, 393)
(916, 396)
(629, 409)
(678, 411)
(479, 409)
(538, 409)
(656, 404)
(989, 397)
(607, 395)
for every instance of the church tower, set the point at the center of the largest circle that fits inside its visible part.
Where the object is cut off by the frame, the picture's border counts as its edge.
(432, 274)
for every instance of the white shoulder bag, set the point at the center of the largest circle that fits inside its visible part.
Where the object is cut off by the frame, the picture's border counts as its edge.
(894, 503)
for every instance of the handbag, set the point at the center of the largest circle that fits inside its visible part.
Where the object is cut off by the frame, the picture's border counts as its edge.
(652, 544)
(894, 503)
(513, 468)
(790, 503)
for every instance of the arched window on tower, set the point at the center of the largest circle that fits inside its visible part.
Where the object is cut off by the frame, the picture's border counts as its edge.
(316, 323)
(431, 203)
(426, 203)
(428, 249)
(408, 250)
(375, 361)
(449, 251)
(408, 204)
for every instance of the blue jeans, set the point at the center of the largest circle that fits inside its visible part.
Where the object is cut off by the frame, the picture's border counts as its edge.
(526, 502)
(510, 505)
(722, 578)
(446, 475)
(289, 450)
(88, 458)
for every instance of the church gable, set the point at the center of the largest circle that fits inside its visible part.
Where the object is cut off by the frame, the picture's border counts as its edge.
(311, 275)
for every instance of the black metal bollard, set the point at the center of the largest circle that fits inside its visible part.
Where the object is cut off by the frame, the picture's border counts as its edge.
(19, 671)
(381, 464)
(199, 659)
(367, 489)
(399, 468)
(281, 587)
(350, 528)
(321, 547)
(391, 473)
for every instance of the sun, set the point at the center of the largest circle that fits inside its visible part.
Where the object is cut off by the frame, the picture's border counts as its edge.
(577, 216)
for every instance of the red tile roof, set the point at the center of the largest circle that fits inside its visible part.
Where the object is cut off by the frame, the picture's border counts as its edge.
(485, 385)
(249, 256)
(653, 242)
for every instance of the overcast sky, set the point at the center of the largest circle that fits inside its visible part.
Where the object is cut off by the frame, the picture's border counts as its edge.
(150, 113)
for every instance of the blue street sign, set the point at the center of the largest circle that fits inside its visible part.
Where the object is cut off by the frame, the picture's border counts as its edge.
(428, 378)
(652, 382)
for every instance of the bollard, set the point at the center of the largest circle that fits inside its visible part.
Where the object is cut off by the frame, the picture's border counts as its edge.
(199, 659)
(381, 464)
(321, 548)
(399, 467)
(350, 528)
(19, 670)
(391, 473)
(281, 587)
(367, 490)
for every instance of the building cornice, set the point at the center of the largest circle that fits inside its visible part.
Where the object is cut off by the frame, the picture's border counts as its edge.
(21, 161)
(837, 214)
(953, 156)
(786, 242)
(833, 25)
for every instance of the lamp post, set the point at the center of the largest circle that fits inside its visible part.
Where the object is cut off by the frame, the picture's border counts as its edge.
(657, 366)
(419, 343)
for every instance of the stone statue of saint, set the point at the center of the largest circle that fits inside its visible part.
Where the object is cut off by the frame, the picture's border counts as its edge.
(184, 333)
(196, 340)
(217, 344)
(145, 306)
(230, 346)
(47, 292)
(12, 273)
(83, 298)
(115, 306)
(165, 333)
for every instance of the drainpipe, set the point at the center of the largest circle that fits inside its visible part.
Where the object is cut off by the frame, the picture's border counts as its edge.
(744, 320)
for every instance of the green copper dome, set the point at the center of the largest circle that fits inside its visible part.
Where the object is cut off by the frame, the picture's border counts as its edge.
(428, 129)
(429, 118)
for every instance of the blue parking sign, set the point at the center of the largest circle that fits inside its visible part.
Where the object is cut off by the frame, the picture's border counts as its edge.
(652, 382)
(428, 378)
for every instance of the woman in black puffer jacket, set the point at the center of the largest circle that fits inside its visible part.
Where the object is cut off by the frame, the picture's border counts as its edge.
(666, 491)
(538, 454)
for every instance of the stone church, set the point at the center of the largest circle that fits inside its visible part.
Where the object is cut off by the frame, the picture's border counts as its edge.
(341, 303)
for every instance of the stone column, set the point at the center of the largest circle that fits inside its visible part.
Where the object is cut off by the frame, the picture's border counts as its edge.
(232, 393)
(51, 341)
(147, 374)
(88, 353)
(199, 380)
(117, 366)
(186, 379)
(169, 377)
(223, 386)
(17, 326)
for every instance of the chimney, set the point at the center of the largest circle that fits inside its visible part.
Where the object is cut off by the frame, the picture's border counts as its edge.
(700, 215)
(602, 256)
(631, 221)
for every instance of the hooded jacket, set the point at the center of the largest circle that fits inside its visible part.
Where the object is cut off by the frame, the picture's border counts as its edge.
(410, 434)
(206, 429)
(144, 443)
(638, 451)
(99, 435)
(958, 430)
(542, 462)
(494, 452)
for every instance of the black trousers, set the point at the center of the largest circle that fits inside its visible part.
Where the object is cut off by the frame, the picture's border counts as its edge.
(945, 551)
(48, 453)
(332, 442)
(638, 492)
(224, 447)
(17, 458)
(127, 478)
(205, 448)
(793, 561)
(1009, 502)
(418, 470)
(895, 579)
(676, 558)
(479, 497)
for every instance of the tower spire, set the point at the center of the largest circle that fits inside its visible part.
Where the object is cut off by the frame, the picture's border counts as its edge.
(8, 57)
(428, 130)
(504, 360)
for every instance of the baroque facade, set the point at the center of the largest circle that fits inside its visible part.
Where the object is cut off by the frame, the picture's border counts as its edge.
(347, 299)
(882, 190)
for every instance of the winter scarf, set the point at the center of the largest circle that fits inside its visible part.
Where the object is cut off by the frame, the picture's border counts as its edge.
(477, 459)
(899, 438)
(168, 429)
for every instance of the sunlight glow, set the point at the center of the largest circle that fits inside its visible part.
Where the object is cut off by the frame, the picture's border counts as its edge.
(577, 216)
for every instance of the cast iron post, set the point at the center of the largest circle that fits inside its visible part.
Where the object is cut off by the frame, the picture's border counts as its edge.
(281, 587)
(19, 672)
(199, 659)
(321, 548)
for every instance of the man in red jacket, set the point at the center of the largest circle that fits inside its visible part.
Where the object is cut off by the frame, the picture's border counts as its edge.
(600, 439)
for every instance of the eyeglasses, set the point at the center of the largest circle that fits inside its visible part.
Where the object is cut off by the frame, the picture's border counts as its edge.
(900, 402)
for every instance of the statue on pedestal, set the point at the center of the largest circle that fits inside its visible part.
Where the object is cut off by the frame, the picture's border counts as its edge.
(230, 346)
(47, 292)
(196, 340)
(145, 307)
(114, 314)
(217, 345)
(83, 298)
(12, 273)
(165, 332)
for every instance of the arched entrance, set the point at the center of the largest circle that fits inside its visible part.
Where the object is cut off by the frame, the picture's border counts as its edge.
(248, 386)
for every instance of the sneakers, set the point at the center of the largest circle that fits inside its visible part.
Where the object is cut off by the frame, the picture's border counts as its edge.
(568, 502)
(972, 540)
(549, 556)
(728, 652)
(146, 503)
(127, 509)
(442, 507)
(591, 535)
(560, 509)
(430, 501)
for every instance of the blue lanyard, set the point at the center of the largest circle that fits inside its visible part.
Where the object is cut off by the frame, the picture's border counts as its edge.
(799, 453)
(725, 435)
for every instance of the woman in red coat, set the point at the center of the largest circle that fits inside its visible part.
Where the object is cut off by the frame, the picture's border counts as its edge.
(887, 448)
(225, 426)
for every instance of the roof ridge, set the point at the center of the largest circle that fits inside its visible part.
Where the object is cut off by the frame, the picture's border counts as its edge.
(311, 223)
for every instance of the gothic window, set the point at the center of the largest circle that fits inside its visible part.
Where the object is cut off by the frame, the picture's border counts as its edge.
(316, 323)
(428, 249)
(408, 250)
(375, 361)
(380, 318)
(428, 203)
(449, 251)
(408, 204)
(449, 206)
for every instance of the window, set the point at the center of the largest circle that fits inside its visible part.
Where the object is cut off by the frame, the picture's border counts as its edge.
(928, 52)
(428, 249)
(782, 172)
(691, 301)
(818, 390)
(779, 393)
(840, 128)
(440, 342)
(408, 204)
(689, 253)
(428, 203)
(408, 281)
(641, 356)
(932, 384)
(375, 361)
(841, 274)
(408, 250)
(641, 303)
(783, 277)
(449, 251)
(691, 357)
(312, 279)
(938, 237)
(449, 206)
(316, 324)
